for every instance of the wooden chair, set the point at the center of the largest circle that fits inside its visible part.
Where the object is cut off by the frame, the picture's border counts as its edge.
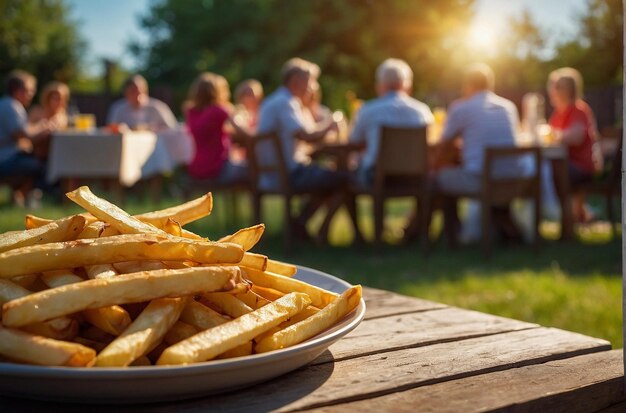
(609, 186)
(401, 170)
(500, 192)
(281, 186)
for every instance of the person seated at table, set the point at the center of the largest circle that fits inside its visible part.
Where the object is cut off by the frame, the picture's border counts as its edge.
(314, 111)
(52, 109)
(139, 111)
(248, 97)
(394, 107)
(283, 113)
(480, 119)
(18, 139)
(573, 124)
(207, 111)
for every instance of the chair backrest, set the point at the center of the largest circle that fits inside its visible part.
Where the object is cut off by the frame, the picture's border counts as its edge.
(402, 153)
(523, 183)
(274, 165)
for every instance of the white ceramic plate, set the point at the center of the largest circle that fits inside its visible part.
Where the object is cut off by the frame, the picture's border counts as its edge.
(161, 383)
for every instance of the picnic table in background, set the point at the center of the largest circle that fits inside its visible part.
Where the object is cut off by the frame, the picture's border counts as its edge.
(414, 355)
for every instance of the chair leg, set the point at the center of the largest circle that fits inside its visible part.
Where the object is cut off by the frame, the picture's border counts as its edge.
(424, 212)
(485, 212)
(256, 207)
(537, 223)
(610, 212)
(351, 205)
(379, 215)
(451, 220)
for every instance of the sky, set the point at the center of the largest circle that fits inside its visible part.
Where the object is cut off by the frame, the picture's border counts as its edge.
(108, 26)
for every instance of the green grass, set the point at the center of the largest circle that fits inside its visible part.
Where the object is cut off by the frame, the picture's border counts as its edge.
(574, 286)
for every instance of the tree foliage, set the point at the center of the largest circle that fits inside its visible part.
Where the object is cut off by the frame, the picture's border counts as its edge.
(348, 39)
(38, 36)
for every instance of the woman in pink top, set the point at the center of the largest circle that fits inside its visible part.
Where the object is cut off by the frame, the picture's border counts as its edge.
(206, 113)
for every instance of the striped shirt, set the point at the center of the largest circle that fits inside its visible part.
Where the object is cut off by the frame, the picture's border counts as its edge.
(482, 120)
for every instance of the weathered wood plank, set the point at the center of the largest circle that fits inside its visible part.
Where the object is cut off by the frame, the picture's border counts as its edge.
(418, 329)
(580, 384)
(375, 375)
(381, 303)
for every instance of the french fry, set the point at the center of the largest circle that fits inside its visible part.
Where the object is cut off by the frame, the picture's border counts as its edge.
(130, 288)
(217, 340)
(143, 334)
(319, 296)
(33, 221)
(183, 213)
(96, 345)
(34, 349)
(110, 213)
(93, 230)
(201, 316)
(246, 237)
(226, 304)
(255, 261)
(178, 332)
(239, 351)
(27, 281)
(314, 324)
(269, 294)
(173, 228)
(127, 267)
(141, 361)
(252, 299)
(100, 271)
(62, 328)
(69, 254)
(281, 268)
(61, 230)
(112, 319)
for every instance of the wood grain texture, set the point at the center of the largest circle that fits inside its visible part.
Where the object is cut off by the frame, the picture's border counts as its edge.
(585, 383)
(418, 329)
(375, 375)
(381, 303)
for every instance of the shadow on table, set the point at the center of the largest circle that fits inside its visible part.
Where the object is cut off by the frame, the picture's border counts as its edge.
(270, 395)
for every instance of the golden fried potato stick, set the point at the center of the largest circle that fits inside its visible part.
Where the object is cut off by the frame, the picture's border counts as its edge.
(252, 299)
(319, 296)
(64, 229)
(100, 271)
(239, 351)
(215, 341)
(93, 230)
(201, 317)
(246, 237)
(70, 254)
(127, 267)
(183, 213)
(111, 319)
(173, 228)
(178, 332)
(255, 261)
(130, 288)
(269, 294)
(62, 328)
(226, 304)
(111, 213)
(313, 325)
(33, 349)
(143, 334)
(33, 221)
(281, 268)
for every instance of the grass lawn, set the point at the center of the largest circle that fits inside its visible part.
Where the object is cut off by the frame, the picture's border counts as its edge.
(574, 286)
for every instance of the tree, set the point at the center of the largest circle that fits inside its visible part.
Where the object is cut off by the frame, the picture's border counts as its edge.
(597, 52)
(38, 36)
(348, 39)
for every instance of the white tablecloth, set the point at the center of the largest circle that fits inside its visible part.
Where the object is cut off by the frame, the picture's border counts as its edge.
(128, 156)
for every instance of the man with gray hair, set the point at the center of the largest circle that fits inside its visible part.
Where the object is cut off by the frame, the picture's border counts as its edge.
(394, 107)
(282, 113)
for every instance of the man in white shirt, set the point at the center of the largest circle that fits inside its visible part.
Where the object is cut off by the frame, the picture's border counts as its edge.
(394, 107)
(481, 119)
(17, 139)
(140, 111)
(282, 112)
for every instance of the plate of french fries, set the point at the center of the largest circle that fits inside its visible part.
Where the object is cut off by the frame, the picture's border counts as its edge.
(108, 307)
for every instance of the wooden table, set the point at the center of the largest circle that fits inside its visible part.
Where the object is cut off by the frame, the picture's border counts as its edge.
(413, 355)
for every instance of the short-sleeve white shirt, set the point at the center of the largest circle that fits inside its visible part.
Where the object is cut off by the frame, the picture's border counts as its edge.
(281, 113)
(393, 109)
(154, 114)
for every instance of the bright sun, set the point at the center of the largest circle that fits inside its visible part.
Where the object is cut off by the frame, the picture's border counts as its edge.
(482, 38)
